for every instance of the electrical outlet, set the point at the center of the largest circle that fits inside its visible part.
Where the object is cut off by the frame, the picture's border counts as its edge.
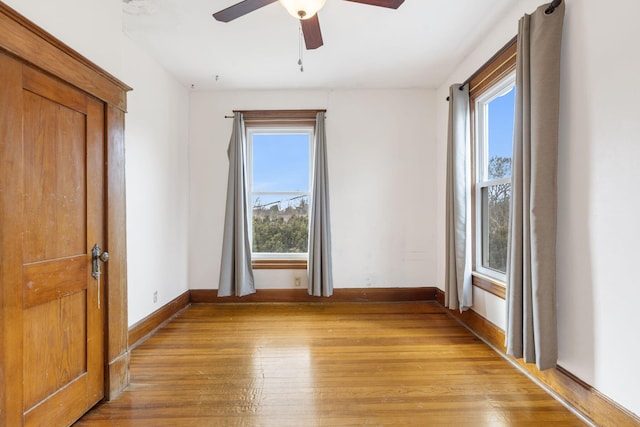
(155, 297)
(298, 284)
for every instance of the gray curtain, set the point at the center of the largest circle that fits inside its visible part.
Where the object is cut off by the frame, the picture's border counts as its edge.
(531, 264)
(236, 274)
(319, 266)
(458, 288)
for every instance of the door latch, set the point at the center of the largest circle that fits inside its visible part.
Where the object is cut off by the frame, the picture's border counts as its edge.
(97, 256)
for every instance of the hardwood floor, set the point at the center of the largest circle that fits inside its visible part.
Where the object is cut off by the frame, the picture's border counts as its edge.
(336, 364)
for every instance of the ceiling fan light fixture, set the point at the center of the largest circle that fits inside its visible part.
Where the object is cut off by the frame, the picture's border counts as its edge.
(303, 9)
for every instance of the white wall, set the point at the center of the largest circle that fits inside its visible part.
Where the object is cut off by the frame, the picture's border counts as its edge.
(91, 27)
(598, 197)
(156, 144)
(381, 155)
(157, 184)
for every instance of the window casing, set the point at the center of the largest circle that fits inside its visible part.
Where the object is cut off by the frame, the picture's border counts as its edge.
(279, 165)
(492, 96)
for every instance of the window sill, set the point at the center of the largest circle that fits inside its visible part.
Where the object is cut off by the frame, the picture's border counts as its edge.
(490, 285)
(279, 264)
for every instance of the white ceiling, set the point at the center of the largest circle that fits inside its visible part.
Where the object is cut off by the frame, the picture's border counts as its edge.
(415, 46)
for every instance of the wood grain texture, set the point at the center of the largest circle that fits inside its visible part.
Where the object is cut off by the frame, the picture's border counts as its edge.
(36, 82)
(117, 375)
(55, 184)
(53, 356)
(489, 285)
(147, 326)
(96, 233)
(11, 208)
(54, 337)
(495, 69)
(276, 118)
(116, 268)
(70, 404)
(44, 281)
(312, 32)
(302, 295)
(273, 264)
(587, 400)
(250, 115)
(403, 364)
(63, 346)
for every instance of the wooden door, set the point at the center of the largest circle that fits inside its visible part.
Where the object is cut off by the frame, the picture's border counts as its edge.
(54, 152)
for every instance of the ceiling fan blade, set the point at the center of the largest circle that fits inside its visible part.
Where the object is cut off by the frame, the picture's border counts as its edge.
(239, 9)
(391, 4)
(311, 31)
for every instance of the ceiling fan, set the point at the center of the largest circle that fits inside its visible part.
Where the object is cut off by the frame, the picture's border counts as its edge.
(304, 10)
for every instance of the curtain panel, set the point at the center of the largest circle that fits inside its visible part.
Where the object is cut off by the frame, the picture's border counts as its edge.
(458, 284)
(236, 274)
(531, 331)
(319, 266)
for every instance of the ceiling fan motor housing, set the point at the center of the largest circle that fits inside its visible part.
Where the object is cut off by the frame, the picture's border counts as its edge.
(303, 9)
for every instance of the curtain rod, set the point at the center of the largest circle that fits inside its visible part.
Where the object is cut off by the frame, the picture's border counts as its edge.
(279, 114)
(277, 121)
(549, 10)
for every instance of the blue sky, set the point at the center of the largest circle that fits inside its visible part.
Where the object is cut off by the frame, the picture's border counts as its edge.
(280, 162)
(501, 125)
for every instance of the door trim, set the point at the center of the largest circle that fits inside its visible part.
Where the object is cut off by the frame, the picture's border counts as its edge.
(23, 40)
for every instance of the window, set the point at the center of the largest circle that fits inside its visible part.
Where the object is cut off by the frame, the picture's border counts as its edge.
(492, 105)
(494, 135)
(279, 178)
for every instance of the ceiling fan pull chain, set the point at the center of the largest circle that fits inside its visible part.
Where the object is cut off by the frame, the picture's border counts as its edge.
(300, 50)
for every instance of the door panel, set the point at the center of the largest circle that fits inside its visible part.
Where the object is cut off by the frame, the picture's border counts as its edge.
(54, 181)
(47, 281)
(59, 329)
(54, 334)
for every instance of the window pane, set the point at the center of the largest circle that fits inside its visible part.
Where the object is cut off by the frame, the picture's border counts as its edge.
(495, 226)
(280, 162)
(280, 223)
(500, 144)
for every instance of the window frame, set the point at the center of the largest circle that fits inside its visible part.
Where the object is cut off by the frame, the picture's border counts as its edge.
(275, 260)
(498, 69)
(481, 179)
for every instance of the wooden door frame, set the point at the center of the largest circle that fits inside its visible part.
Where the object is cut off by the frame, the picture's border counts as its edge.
(26, 42)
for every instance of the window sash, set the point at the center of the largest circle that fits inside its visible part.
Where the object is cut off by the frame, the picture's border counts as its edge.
(290, 129)
(482, 183)
(482, 123)
(483, 230)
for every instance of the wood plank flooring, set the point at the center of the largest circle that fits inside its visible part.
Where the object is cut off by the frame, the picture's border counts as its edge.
(332, 364)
